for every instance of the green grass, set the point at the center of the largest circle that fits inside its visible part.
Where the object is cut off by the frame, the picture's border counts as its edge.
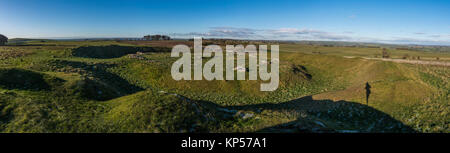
(363, 52)
(93, 86)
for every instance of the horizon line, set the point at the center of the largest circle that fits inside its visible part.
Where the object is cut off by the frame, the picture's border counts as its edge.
(250, 39)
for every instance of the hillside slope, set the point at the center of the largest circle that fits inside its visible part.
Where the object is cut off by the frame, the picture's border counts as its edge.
(64, 89)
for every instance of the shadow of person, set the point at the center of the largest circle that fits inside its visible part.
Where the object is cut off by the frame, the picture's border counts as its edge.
(328, 116)
(367, 92)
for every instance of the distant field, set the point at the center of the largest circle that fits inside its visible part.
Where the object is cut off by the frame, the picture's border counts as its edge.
(364, 52)
(105, 86)
(285, 47)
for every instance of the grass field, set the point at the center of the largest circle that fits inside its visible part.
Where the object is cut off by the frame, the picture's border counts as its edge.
(104, 86)
(372, 52)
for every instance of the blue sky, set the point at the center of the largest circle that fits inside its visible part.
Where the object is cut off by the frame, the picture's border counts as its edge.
(390, 21)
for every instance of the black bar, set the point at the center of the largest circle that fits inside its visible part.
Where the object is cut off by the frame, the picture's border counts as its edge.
(173, 142)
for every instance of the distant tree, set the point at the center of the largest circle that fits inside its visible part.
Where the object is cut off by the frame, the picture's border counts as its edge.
(406, 56)
(3, 40)
(156, 37)
(385, 54)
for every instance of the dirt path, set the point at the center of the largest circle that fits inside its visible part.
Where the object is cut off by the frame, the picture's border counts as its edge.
(439, 63)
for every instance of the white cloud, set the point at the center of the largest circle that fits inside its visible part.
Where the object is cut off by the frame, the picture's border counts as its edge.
(293, 31)
(225, 32)
(310, 34)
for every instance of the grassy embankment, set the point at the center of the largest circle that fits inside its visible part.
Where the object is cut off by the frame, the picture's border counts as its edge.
(55, 86)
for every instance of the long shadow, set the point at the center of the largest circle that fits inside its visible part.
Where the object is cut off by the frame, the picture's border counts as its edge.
(113, 51)
(22, 79)
(327, 116)
(102, 85)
